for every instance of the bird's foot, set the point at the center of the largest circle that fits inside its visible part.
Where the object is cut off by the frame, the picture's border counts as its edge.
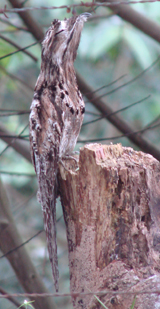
(70, 157)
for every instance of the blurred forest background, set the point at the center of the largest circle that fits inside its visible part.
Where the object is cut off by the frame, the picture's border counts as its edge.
(116, 59)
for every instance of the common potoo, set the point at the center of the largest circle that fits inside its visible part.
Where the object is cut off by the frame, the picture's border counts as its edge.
(56, 117)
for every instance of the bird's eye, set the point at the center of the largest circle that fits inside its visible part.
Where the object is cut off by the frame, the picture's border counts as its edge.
(59, 32)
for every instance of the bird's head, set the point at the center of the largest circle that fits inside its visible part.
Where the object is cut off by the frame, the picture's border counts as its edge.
(62, 39)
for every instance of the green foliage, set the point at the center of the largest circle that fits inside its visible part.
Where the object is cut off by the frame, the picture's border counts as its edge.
(133, 303)
(132, 306)
(100, 302)
(27, 304)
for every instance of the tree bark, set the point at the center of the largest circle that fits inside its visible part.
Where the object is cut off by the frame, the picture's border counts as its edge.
(112, 214)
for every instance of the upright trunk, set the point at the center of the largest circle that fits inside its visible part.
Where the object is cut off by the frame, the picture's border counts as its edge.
(112, 212)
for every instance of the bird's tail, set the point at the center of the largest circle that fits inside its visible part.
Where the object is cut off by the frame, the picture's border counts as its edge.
(49, 217)
(47, 194)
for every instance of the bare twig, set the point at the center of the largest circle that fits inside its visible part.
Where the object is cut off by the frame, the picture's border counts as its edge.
(118, 122)
(119, 136)
(136, 19)
(13, 140)
(73, 6)
(10, 298)
(14, 77)
(20, 146)
(10, 239)
(117, 111)
(3, 20)
(21, 245)
(17, 174)
(19, 47)
(34, 28)
(127, 13)
(81, 293)
(19, 50)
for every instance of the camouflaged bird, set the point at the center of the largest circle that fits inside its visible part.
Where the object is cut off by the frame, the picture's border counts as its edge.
(56, 117)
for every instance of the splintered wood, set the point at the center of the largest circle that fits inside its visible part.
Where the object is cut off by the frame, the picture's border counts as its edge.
(112, 212)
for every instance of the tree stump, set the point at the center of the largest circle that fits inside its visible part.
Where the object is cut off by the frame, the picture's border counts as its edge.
(111, 208)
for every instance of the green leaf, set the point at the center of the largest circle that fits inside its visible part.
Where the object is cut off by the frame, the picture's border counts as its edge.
(132, 306)
(100, 302)
(27, 304)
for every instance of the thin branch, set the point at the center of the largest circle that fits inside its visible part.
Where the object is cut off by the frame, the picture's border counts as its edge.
(110, 84)
(17, 174)
(33, 26)
(20, 146)
(14, 77)
(97, 17)
(10, 239)
(155, 62)
(118, 122)
(13, 140)
(10, 31)
(135, 18)
(117, 111)
(11, 299)
(25, 242)
(13, 114)
(127, 13)
(92, 113)
(21, 245)
(15, 111)
(19, 50)
(152, 123)
(129, 135)
(73, 6)
(7, 136)
(76, 294)
(19, 47)
(17, 208)
(4, 20)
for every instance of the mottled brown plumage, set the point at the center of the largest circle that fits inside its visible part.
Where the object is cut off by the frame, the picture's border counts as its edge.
(56, 117)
